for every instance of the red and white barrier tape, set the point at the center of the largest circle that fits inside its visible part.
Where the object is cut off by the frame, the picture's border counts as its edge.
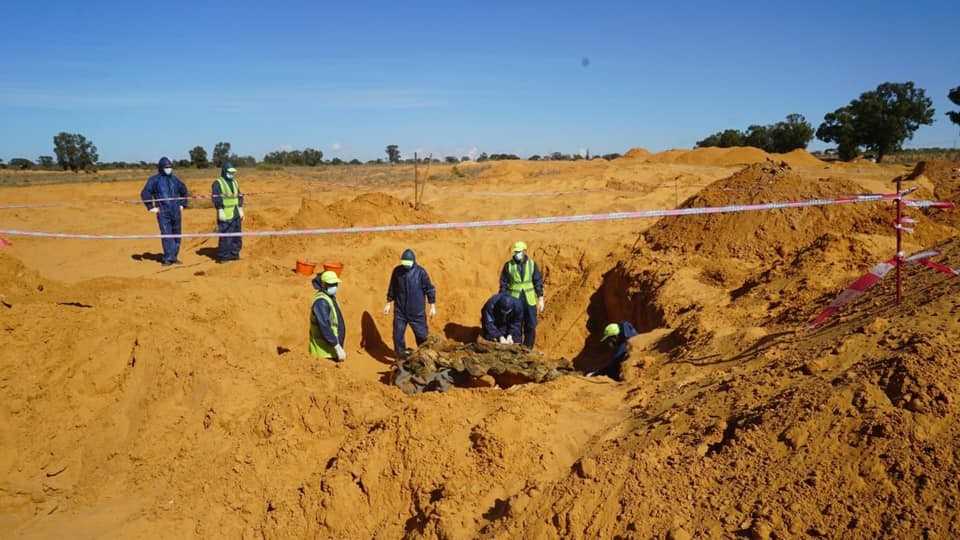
(874, 276)
(614, 216)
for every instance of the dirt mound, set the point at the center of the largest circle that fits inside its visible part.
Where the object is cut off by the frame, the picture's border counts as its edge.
(768, 234)
(637, 153)
(945, 177)
(713, 157)
(367, 209)
(800, 158)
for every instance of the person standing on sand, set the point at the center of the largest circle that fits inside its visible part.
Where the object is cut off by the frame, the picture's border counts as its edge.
(409, 285)
(617, 337)
(502, 318)
(521, 278)
(228, 201)
(327, 329)
(166, 196)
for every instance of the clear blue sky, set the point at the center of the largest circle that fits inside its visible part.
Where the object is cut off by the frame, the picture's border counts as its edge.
(446, 77)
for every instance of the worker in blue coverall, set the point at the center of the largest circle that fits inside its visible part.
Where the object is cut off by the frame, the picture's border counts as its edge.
(521, 278)
(327, 329)
(409, 286)
(617, 337)
(228, 201)
(166, 196)
(502, 318)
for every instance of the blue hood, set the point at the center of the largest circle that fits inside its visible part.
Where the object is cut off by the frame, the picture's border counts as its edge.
(223, 170)
(163, 164)
(408, 255)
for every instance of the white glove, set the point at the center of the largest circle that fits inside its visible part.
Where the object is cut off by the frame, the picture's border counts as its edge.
(540, 305)
(155, 210)
(181, 209)
(341, 354)
(240, 211)
(503, 339)
(509, 339)
(433, 310)
(387, 308)
(222, 214)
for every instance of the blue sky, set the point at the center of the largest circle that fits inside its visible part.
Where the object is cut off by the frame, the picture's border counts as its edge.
(450, 77)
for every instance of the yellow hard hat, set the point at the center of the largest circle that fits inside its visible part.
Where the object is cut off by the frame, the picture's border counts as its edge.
(520, 246)
(611, 330)
(329, 277)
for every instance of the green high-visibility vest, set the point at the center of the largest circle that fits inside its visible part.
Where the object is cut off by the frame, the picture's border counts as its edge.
(229, 197)
(524, 285)
(319, 346)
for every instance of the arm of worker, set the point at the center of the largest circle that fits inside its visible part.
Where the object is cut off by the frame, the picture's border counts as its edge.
(489, 323)
(429, 291)
(391, 292)
(537, 280)
(182, 192)
(148, 193)
(505, 279)
(621, 353)
(321, 312)
(514, 330)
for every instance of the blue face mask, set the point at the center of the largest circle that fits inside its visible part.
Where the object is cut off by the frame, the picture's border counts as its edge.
(332, 290)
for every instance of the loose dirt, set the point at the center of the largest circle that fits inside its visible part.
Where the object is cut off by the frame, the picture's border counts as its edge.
(140, 401)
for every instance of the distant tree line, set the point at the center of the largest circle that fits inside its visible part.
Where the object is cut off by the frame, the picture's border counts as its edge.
(793, 133)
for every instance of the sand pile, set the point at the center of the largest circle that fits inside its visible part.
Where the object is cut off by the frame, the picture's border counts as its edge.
(637, 153)
(945, 177)
(728, 157)
(770, 234)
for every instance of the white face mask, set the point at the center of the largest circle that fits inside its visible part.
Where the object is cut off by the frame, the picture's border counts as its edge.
(229, 176)
(167, 171)
(332, 290)
(518, 256)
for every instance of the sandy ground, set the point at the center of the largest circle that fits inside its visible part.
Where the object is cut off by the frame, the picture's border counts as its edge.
(147, 401)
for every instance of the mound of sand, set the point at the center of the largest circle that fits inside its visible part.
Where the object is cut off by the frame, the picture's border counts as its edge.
(800, 158)
(637, 153)
(769, 234)
(727, 157)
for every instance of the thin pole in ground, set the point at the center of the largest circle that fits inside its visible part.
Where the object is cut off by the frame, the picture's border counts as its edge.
(899, 227)
(416, 181)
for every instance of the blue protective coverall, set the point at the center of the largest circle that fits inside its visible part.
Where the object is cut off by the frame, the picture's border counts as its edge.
(529, 312)
(502, 316)
(407, 290)
(620, 351)
(228, 247)
(162, 186)
(320, 312)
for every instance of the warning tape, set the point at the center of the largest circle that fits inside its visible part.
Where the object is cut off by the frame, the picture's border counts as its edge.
(613, 216)
(140, 201)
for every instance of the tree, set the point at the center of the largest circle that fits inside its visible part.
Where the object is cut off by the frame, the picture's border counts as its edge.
(311, 157)
(611, 157)
(336, 161)
(954, 96)
(21, 164)
(355, 161)
(221, 154)
(198, 157)
(451, 159)
(789, 135)
(464, 159)
(45, 161)
(534, 157)
(758, 137)
(74, 151)
(879, 120)
(393, 153)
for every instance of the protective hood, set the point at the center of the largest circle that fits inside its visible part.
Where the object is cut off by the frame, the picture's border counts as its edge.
(163, 164)
(408, 255)
(227, 166)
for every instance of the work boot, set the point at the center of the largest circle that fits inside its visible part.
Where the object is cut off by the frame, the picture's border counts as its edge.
(166, 263)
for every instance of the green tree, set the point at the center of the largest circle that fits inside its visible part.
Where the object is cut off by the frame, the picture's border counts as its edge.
(954, 96)
(21, 164)
(758, 137)
(221, 154)
(393, 153)
(879, 120)
(74, 152)
(792, 134)
(355, 161)
(451, 159)
(198, 157)
(45, 161)
(311, 157)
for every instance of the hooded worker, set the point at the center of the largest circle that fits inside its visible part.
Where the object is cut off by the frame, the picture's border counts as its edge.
(327, 329)
(521, 278)
(502, 318)
(617, 337)
(409, 286)
(228, 201)
(166, 196)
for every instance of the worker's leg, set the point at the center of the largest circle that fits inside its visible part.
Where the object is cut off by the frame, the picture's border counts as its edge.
(166, 227)
(237, 240)
(529, 325)
(175, 227)
(419, 326)
(399, 329)
(223, 242)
